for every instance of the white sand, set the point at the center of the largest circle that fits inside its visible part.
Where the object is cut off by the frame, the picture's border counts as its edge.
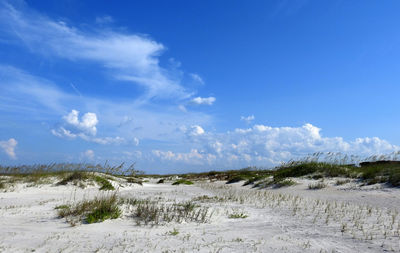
(334, 219)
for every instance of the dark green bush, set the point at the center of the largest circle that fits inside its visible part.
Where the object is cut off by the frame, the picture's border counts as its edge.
(182, 181)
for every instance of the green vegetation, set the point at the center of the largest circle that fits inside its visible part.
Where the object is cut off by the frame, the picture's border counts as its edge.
(182, 181)
(90, 211)
(368, 173)
(61, 207)
(149, 212)
(238, 215)
(284, 183)
(174, 232)
(317, 186)
(2, 185)
(78, 177)
(342, 181)
(298, 169)
(133, 180)
(75, 177)
(105, 184)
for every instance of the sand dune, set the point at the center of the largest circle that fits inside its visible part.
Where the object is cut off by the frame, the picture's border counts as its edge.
(241, 219)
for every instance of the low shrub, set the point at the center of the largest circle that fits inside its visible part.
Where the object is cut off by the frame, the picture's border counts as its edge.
(284, 183)
(236, 179)
(394, 178)
(74, 177)
(161, 181)
(317, 186)
(133, 180)
(182, 181)
(342, 181)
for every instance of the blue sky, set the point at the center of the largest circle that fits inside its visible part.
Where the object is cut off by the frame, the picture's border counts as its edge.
(189, 86)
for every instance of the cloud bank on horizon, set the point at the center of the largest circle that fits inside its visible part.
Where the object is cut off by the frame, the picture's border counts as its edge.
(164, 124)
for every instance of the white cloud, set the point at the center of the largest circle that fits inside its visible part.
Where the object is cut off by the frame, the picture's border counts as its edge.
(195, 130)
(9, 147)
(248, 119)
(87, 124)
(30, 96)
(130, 57)
(88, 154)
(135, 141)
(197, 78)
(85, 128)
(266, 146)
(106, 140)
(203, 101)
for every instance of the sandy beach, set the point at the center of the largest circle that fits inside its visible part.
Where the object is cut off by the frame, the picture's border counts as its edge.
(240, 219)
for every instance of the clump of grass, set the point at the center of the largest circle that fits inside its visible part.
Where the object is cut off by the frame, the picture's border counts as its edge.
(90, 211)
(133, 180)
(254, 179)
(161, 181)
(317, 186)
(236, 179)
(151, 212)
(2, 185)
(173, 232)
(75, 177)
(342, 181)
(182, 181)
(105, 184)
(206, 198)
(61, 207)
(238, 215)
(284, 183)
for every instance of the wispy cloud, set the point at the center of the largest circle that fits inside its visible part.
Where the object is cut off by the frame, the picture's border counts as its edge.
(106, 19)
(197, 78)
(203, 101)
(247, 119)
(25, 94)
(129, 57)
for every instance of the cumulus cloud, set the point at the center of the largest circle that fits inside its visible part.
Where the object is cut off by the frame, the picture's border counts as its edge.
(130, 57)
(87, 124)
(203, 101)
(84, 127)
(9, 147)
(265, 145)
(194, 130)
(247, 119)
